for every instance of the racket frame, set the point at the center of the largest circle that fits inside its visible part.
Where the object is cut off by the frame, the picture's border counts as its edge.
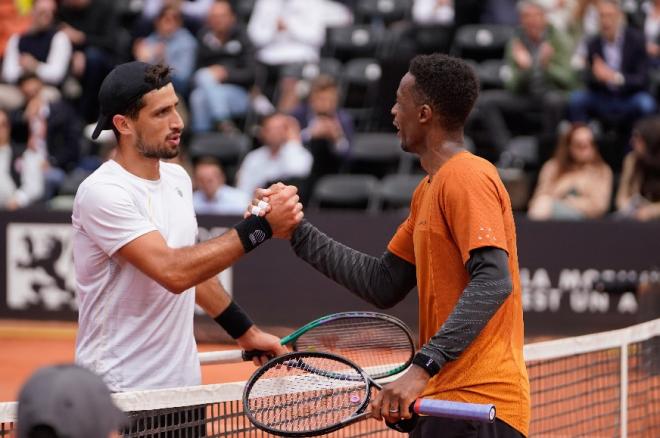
(291, 339)
(299, 356)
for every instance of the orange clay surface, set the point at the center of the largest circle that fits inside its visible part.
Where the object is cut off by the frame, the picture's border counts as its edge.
(25, 347)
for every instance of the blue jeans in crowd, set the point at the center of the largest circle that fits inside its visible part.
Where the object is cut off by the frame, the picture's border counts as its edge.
(584, 104)
(212, 102)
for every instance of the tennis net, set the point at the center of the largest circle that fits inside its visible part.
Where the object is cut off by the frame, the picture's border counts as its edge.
(605, 384)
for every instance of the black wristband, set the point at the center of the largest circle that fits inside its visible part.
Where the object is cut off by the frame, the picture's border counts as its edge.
(253, 231)
(427, 363)
(234, 320)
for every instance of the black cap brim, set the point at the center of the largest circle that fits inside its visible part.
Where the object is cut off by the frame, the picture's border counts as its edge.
(101, 124)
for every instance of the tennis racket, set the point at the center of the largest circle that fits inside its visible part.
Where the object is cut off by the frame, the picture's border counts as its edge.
(311, 393)
(380, 344)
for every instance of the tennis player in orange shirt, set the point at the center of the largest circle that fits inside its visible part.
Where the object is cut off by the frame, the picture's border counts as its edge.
(458, 246)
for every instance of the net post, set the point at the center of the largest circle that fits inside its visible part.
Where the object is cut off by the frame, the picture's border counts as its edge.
(624, 390)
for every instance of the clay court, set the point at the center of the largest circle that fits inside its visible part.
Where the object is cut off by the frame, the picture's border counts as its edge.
(27, 346)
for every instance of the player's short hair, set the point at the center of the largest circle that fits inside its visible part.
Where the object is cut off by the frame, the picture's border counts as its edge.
(449, 85)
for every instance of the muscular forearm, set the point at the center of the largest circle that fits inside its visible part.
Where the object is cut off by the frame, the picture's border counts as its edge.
(212, 297)
(489, 286)
(193, 265)
(382, 281)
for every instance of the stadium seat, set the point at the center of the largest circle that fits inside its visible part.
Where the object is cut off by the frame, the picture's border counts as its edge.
(227, 149)
(72, 180)
(396, 190)
(355, 41)
(517, 183)
(376, 153)
(243, 9)
(358, 89)
(382, 12)
(327, 66)
(492, 73)
(344, 192)
(481, 41)
(432, 38)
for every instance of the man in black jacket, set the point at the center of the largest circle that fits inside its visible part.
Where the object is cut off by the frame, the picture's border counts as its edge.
(97, 40)
(616, 72)
(225, 62)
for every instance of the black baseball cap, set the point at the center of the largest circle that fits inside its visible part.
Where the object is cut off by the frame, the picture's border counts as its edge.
(71, 400)
(124, 85)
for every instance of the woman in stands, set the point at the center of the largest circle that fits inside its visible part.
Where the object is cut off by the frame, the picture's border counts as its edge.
(638, 196)
(576, 183)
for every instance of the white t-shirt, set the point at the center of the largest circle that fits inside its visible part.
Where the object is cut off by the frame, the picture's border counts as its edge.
(132, 331)
(260, 166)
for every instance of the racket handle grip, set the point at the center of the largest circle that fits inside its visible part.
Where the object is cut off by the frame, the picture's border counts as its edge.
(218, 357)
(250, 354)
(444, 408)
(455, 410)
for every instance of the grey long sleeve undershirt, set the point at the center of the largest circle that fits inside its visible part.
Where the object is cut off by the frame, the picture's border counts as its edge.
(385, 281)
(382, 281)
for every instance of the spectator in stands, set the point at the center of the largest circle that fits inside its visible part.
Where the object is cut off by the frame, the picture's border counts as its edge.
(67, 401)
(42, 50)
(327, 130)
(93, 31)
(559, 13)
(212, 195)
(541, 77)
(433, 12)
(281, 157)
(583, 26)
(226, 63)
(638, 196)
(21, 174)
(52, 128)
(499, 12)
(576, 183)
(286, 33)
(652, 32)
(616, 73)
(170, 44)
(193, 13)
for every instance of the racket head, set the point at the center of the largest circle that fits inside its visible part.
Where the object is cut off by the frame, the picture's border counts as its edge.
(306, 394)
(380, 344)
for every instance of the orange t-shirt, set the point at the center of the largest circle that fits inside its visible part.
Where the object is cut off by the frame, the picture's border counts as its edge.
(465, 206)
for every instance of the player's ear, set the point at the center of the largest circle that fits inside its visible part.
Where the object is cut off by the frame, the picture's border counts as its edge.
(122, 124)
(425, 113)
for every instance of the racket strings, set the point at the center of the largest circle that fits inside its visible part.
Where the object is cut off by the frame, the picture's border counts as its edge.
(378, 346)
(307, 394)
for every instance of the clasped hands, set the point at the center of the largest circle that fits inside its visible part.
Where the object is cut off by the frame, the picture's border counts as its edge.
(280, 205)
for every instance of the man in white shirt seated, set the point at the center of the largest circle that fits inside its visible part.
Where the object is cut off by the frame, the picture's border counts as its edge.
(43, 51)
(212, 195)
(281, 157)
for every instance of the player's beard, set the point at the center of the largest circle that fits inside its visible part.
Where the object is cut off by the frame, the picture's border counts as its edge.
(156, 151)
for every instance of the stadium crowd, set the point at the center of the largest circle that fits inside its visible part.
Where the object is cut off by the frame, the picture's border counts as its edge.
(301, 90)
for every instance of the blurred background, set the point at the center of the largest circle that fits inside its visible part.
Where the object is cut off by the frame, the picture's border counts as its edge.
(301, 91)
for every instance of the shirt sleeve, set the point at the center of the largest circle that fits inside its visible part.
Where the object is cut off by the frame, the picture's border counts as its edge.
(11, 68)
(110, 217)
(472, 205)
(54, 70)
(402, 243)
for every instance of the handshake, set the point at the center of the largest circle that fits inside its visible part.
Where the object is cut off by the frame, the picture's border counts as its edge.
(280, 205)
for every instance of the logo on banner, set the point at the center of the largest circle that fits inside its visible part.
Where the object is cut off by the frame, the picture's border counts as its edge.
(40, 267)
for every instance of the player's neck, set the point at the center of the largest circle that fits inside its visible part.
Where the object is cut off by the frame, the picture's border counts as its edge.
(440, 149)
(137, 164)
